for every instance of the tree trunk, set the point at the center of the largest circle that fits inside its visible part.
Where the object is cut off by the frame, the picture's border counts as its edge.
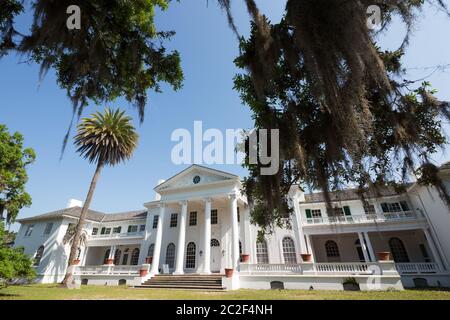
(68, 278)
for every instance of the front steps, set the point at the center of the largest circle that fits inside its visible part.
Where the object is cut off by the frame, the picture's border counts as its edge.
(185, 281)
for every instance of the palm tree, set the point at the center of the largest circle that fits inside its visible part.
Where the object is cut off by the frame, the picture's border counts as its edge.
(106, 138)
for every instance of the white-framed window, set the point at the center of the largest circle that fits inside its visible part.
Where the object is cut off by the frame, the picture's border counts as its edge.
(332, 250)
(142, 227)
(38, 256)
(48, 228)
(369, 208)
(173, 220)
(106, 257)
(316, 213)
(193, 218)
(155, 221)
(134, 257)
(132, 228)
(94, 231)
(190, 256)
(289, 250)
(117, 229)
(29, 230)
(238, 215)
(262, 255)
(214, 217)
(105, 230)
(215, 243)
(395, 206)
(151, 248)
(398, 250)
(170, 255)
(117, 255)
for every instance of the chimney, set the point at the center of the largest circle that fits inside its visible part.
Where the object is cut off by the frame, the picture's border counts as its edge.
(157, 195)
(74, 203)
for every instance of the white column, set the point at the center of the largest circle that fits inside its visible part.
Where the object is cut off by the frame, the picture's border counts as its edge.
(207, 238)
(298, 227)
(310, 247)
(434, 251)
(363, 247)
(369, 246)
(158, 240)
(112, 252)
(235, 231)
(181, 239)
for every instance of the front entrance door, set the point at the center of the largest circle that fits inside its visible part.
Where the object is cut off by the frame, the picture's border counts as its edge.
(215, 255)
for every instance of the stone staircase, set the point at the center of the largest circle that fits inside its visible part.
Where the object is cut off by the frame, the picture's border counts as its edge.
(185, 281)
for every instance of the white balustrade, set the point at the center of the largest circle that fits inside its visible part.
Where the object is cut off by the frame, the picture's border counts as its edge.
(419, 267)
(343, 268)
(271, 268)
(363, 218)
(107, 270)
(118, 235)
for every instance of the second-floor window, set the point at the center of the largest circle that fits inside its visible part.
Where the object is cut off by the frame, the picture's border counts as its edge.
(155, 221)
(193, 218)
(173, 220)
(48, 228)
(105, 230)
(29, 230)
(395, 206)
(142, 227)
(132, 228)
(117, 229)
(369, 209)
(214, 218)
(94, 231)
(313, 213)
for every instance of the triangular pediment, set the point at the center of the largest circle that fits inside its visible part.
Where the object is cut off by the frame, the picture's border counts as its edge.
(195, 175)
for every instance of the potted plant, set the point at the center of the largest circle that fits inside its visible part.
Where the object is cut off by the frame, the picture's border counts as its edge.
(383, 255)
(350, 284)
(149, 260)
(306, 257)
(143, 272)
(228, 272)
(76, 261)
(245, 257)
(109, 261)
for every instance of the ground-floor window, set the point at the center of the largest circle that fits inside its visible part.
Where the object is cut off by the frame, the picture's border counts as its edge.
(262, 256)
(398, 250)
(150, 250)
(170, 255)
(106, 257)
(117, 255)
(134, 257)
(289, 250)
(190, 256)
(332, 250)
(38, 255)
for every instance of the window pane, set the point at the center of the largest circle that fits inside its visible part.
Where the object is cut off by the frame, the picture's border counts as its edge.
(262, 256)
(190, 256)
(214, 218)
(173, 220)
(155, 222)
(193, 218)
(289, 250)
(134, 257)
(170, 255)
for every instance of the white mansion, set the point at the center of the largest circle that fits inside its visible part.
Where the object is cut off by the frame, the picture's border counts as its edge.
(199, 225)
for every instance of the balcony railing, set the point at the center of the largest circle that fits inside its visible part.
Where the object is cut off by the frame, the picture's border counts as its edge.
(416, 268)
(343, 268)
(118, 235)
(274, 268)
(363, 218)
(349, 268)
(107, 270)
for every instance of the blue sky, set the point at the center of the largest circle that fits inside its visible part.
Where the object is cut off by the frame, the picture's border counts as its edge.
(41, 111)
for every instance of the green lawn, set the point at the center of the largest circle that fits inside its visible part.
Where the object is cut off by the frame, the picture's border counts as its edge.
(54, 292)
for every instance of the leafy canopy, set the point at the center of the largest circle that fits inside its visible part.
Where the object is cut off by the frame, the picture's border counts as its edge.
(14, 160)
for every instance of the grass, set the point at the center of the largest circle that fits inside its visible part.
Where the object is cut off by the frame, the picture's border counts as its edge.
(55, 292)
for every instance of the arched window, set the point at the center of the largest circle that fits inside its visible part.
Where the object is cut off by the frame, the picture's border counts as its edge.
(170, 255)
(135, 257)
(398, 250)
(38, 255)
(332, 250)
(262, 256)
(359, 251)
(190, 256)
(117, 255)
(106, 257)
(150, 250)
(215, 243)
(289, 250)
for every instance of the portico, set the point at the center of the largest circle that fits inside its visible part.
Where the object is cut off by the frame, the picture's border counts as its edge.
(197, 228)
